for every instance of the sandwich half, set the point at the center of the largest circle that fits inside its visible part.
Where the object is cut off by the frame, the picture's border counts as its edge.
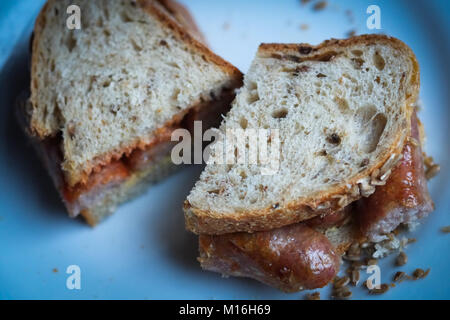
(350, 163)
(341, 110)
(106, 98)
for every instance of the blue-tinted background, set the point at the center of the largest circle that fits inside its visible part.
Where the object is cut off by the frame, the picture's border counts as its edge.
(143, 251)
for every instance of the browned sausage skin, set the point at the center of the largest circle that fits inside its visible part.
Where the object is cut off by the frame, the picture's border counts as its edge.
(403, 200)
(291, 258)
(334, 219)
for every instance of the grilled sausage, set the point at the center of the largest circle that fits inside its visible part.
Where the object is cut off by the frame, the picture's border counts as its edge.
(403, 199)
(334, 219)
(291, 258)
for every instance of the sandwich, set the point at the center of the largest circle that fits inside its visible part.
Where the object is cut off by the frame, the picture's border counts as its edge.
(106, 98)
(350, 169)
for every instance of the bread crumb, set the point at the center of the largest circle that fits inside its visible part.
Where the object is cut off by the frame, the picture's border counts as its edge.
(445, 229)
(383, 288)
(420, 273)
(304, 27)
(320, 5)
(351, 33)
(402, 259)
(226, 26)
(55, 270)
(313, 296)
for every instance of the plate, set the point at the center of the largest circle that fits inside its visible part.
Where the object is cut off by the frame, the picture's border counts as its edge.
(143, 251)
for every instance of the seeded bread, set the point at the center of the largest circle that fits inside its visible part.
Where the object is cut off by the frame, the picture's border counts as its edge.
(342, 110)
(131, 70)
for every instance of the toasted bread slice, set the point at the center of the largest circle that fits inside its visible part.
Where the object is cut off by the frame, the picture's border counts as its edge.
(132, 70)
(342, 112)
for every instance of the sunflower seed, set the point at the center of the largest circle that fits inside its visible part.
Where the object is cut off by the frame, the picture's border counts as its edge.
(402, 259)
(341, 282)
(446, 229)
(399, 276)
(420, 273)
(355, 277)
(383, 288)
(313, 296)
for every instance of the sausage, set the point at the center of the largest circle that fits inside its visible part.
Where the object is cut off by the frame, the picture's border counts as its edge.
(291, 258)
(334, 219)
(403, 199)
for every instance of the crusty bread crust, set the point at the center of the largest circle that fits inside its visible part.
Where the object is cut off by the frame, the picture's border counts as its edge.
(176, 18)
(153, 9)
(183, 17)
(208, 222)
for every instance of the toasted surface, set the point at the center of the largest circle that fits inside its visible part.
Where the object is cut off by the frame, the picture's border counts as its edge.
(105, 87)
(342, 111)
(291, 258)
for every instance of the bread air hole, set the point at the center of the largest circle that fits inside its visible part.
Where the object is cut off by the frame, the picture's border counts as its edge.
(364, 114)
(374, 132)
(280, 113)
(334, 138)
(378, 61)
(371, 126)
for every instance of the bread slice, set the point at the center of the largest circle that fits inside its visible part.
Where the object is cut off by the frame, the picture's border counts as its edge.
(105, 87)
(342, 112)
(109, 88)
